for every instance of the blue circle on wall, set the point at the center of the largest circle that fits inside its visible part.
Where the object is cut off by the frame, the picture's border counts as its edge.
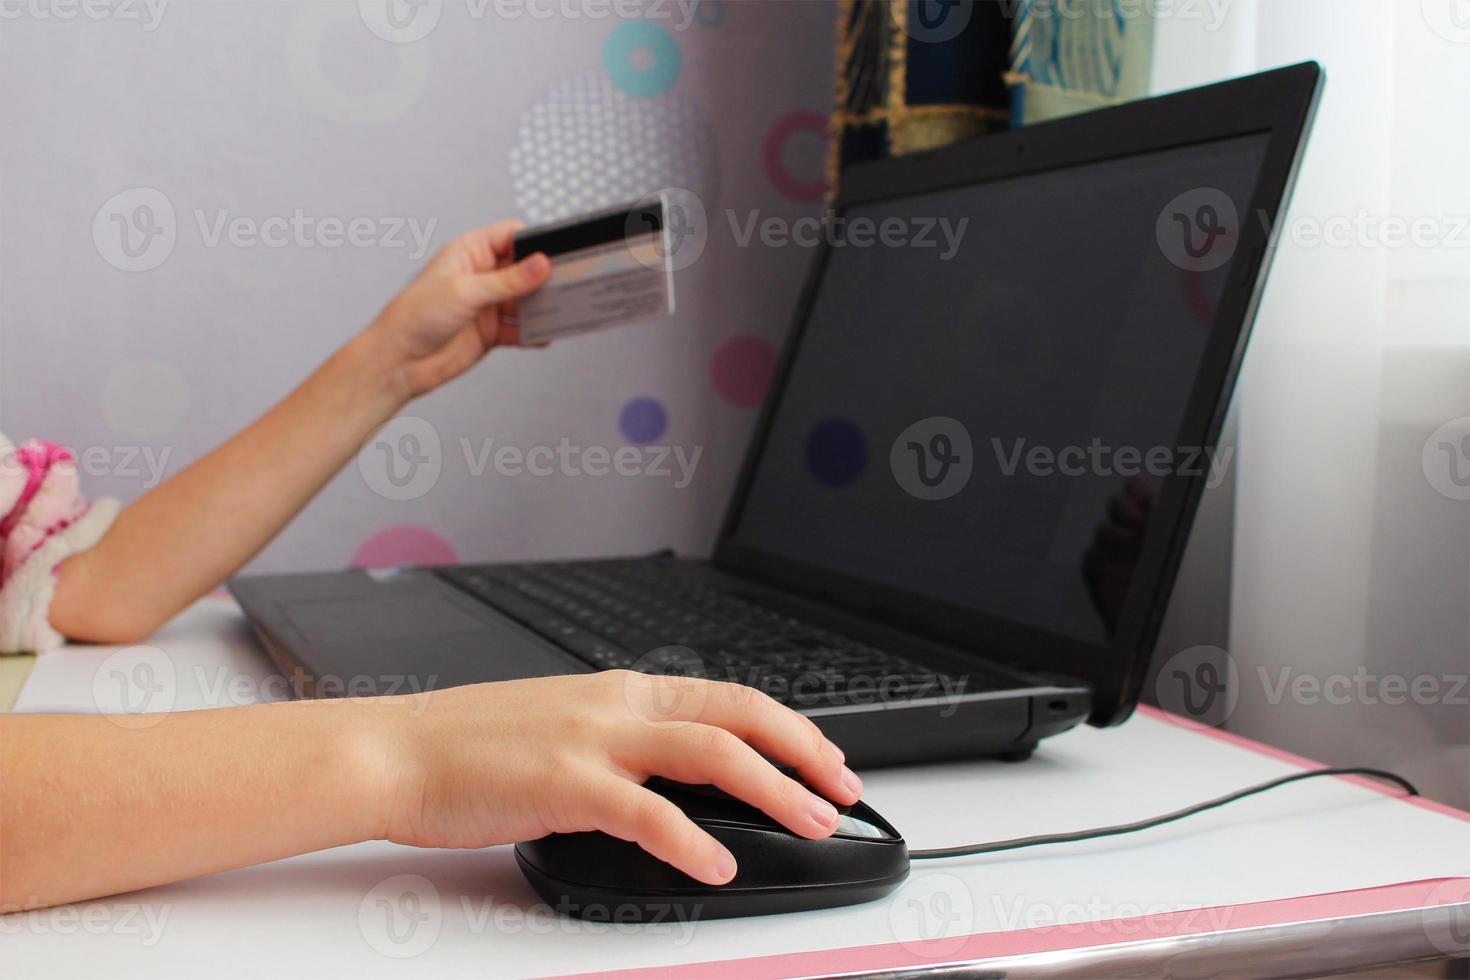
(643, 420)
(641, 58)
(836, 452)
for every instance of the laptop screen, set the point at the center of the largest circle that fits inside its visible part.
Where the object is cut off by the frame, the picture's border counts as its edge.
(984, 420)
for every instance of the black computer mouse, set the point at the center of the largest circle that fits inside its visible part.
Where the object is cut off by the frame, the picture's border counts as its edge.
(597, 876)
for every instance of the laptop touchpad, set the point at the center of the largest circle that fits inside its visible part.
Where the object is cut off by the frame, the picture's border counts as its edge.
(416, 614)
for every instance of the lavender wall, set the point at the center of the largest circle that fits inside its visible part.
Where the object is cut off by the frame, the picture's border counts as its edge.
(200, 200)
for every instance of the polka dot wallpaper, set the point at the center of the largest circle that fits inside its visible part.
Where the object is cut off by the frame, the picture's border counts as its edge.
(595, 139)
(741, 369)
(643, 420)
(194, 212)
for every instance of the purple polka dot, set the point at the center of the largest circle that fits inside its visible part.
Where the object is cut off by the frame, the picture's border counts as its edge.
(836, 452)
(404, 544)
(742, 369)
(643, 420)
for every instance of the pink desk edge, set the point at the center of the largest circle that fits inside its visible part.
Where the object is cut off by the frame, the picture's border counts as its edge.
(1405, 895)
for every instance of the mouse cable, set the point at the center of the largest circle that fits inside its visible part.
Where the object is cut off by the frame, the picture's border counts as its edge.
(965, 850)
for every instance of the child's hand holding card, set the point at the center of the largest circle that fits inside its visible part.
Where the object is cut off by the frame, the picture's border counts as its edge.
(607, 269)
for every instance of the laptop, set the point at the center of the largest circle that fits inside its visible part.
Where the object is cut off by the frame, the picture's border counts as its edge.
(961, 515)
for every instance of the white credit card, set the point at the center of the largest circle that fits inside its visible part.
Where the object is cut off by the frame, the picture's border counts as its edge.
(607, 269)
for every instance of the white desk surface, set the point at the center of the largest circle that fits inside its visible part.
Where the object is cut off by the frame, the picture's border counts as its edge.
(381, 910)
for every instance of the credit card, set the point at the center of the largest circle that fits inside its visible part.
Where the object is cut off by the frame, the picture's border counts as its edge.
(607, 270)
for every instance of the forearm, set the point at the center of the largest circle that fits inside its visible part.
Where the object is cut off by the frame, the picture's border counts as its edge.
(93, 806)
(189, 534)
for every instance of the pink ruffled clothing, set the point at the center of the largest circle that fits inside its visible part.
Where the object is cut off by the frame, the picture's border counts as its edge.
(43, 520)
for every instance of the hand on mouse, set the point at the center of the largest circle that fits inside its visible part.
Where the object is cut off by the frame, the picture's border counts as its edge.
(514, 761)
(451, 314)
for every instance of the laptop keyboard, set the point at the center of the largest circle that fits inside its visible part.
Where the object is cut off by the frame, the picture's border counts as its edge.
(639, 615)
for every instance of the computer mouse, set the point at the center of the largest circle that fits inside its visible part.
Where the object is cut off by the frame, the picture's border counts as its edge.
(597, 876)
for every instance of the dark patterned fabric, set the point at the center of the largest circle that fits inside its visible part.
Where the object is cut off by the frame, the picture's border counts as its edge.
(914, 74)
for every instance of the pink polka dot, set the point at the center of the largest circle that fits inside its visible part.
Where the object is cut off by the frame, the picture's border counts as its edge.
(742, 369)
(802, 121)
(404, 544)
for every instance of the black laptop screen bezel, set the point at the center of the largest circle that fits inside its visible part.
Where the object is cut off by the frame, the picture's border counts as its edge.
(1278, 103)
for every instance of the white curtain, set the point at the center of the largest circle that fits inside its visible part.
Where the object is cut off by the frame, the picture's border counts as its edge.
(1350, 616)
